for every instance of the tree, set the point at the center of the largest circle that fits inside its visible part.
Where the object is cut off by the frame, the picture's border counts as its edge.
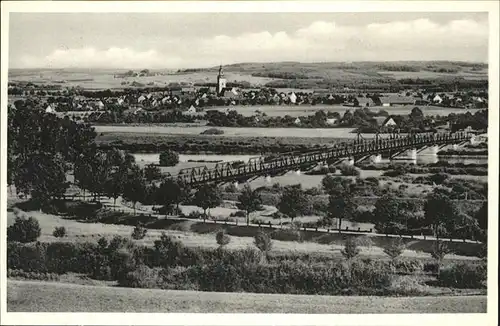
(263, 242)
(395, 248)
(439, 251)
(208, 196)
(173, 192)
(152, 172)
(350, 249)
(115, 184)
(222, 239)
(340, 198)
(249, 201)
(135, 186)
(169, 158)
(482, 216)
(59, 232)
(139, 232)
(42, 176)
(440, 213)
(386, 215)
(24, 230)
(293, 201)
(416, 114)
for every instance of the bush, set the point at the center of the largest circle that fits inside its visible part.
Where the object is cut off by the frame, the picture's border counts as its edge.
(407, 266)
(141, 277)
(16, 273)
(349, 170)
(463, 275)
(263, 241)
(395, 248)
(222, 238)
(139, 232)
(287, 277)
(169, 158)
(24, 230)
(212, 131)
(438, 178)
(59, 232)
(238, 214)
(351, 249)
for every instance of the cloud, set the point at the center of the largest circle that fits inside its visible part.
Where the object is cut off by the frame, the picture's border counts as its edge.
(89, 57)
(419, 39)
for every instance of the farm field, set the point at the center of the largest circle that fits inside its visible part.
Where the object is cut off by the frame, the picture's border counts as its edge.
(245, 72)
(103, 79)
(230, 131)
(28, 296)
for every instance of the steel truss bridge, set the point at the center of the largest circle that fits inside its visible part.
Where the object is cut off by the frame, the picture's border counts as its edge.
(356, 150)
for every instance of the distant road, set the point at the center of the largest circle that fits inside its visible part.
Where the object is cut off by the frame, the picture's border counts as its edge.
(31, 296)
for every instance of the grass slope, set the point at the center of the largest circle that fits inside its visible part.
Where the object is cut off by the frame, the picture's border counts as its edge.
(31, 296)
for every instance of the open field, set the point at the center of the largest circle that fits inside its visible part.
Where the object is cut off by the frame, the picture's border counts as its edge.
(102, 79)
(326, 73)
(203, 237)
(230, 131)
(31, 296)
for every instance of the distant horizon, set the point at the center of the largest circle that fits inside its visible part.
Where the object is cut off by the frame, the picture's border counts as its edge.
(253, 62)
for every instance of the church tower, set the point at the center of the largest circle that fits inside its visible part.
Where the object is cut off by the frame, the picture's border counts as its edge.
(221, 82)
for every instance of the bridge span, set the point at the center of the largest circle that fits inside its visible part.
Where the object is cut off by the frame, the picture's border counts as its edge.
(354, 151)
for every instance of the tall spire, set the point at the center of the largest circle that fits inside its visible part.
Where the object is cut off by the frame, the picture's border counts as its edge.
(221, 73)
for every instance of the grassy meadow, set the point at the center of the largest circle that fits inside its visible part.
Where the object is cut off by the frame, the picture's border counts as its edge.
(32, 296)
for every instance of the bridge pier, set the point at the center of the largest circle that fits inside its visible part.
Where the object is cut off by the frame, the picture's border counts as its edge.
(412, 153)
(376, 158)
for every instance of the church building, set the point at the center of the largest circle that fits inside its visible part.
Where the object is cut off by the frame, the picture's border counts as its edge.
(221, 82)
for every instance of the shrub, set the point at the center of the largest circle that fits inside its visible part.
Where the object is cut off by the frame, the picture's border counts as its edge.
(16, 273)
(349, 170)
(393, 173)
(463, 275)
(139, 232)
(195, 215)
(59, 232)
(438, 178)
(238, 214)
(24, 230)
(407, 266)
(169, 158)
(141, 277)
(430, 267)
(350, 249)
(222, 238)
(395, 248)
(212, 131)
(263, 241)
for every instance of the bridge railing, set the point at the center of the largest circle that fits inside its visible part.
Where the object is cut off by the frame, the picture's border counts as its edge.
(261, 166)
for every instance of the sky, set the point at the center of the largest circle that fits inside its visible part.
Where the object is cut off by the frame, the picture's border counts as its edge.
(191, 40)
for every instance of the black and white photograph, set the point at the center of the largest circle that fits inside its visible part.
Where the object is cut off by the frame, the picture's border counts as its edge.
(235, 161)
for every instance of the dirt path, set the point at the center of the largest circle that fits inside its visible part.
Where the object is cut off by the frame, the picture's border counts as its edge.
(31, 296)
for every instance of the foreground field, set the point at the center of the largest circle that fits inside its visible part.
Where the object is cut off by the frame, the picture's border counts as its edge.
(30, 296)
(184, 232)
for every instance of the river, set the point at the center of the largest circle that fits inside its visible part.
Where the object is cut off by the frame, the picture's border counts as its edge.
(422, 159)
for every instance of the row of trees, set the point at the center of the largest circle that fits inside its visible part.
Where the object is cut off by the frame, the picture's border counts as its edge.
(41, 148)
